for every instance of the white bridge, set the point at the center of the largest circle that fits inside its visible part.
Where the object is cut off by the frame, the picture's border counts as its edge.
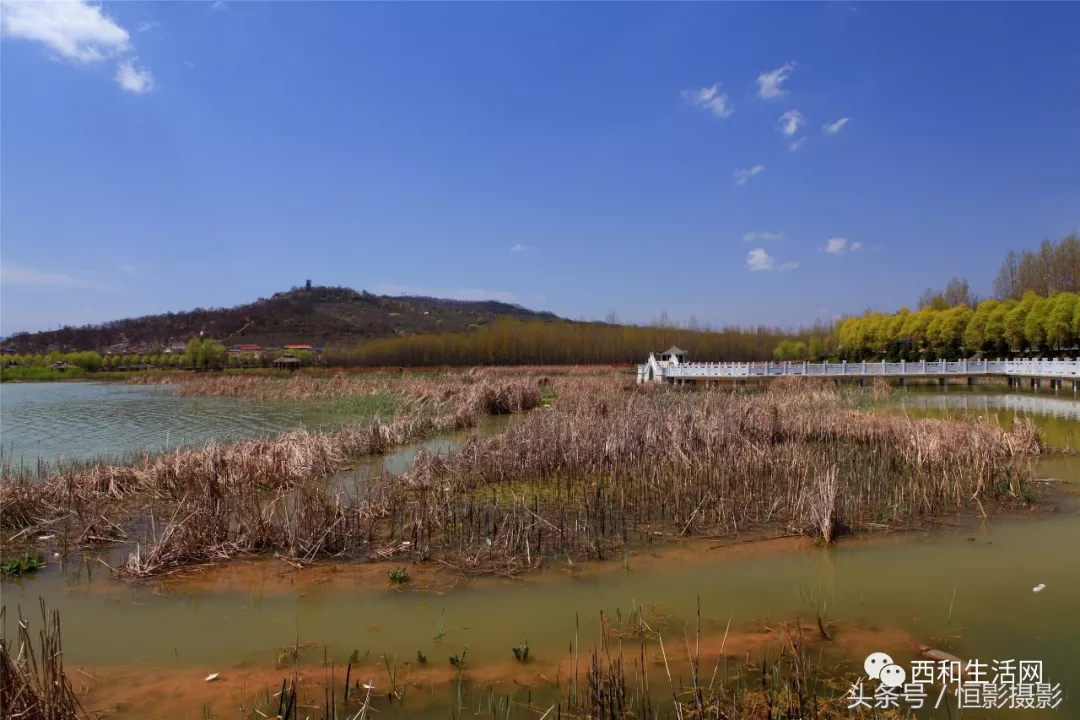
(673, 369)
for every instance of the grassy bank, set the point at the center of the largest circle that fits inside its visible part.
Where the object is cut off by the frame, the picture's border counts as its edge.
(39, 374)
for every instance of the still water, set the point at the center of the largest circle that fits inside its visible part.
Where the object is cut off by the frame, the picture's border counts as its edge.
(966, 587)
(77, 420)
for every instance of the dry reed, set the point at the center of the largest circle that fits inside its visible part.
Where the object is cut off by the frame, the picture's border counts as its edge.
(31, 689)
(607, 468)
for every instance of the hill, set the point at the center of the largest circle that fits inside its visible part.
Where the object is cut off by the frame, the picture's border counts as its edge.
(320, 316)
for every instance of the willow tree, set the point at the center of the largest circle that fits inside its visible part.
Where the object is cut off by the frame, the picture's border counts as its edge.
(975, 334)
(1016, 321)
(1035, 323)
(1059, 320)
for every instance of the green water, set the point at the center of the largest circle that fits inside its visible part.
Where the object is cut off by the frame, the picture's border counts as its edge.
(972, 584)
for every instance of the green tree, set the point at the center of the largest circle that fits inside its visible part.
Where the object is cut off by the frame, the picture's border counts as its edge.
(1016, 320)
(790, 350)
(1059, 332)
(995, 326)
(976, 337)
(1035, 324)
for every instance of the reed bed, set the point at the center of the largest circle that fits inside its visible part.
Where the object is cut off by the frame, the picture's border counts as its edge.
(336, 386)
(30, 497)
(609, 466)
(33, 685)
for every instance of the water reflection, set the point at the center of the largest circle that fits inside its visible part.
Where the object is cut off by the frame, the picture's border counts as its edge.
(1046, 405)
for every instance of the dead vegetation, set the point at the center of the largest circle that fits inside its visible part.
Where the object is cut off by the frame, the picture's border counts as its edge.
(610, 464)
(33, 684)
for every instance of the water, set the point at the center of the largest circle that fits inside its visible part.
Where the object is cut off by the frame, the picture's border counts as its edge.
(76, 420)
(966, 587)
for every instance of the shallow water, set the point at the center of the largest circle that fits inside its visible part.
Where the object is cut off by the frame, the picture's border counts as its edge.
(82, 420)
(966, 587)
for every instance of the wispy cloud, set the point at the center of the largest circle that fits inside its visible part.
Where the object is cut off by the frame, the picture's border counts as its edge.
(790, 122)
(758, 260)
(770, 82)
(765, 236)
(28, 277)
(797, 144)
(519, 248)
(134, 79)
(741, 176)
(840, 246)
(218, 5)
(78, 31)
(835, 127)
(147, 26)
(130, 269)
(447, 293)
(711, 99)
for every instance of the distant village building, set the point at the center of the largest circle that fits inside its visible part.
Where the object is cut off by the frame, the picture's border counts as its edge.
(62, 366)
(255, 350)
(297, 347)
(176, 349)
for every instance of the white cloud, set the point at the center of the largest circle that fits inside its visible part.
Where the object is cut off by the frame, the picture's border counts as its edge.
(758, 259)
(147, 26)
(835, 127)
(790, 122)
(769, 82)
(78, 31)
(28, 277)
(840, 246)
(519, 248)
(133, 79)
(753, 236)
(797, 145)
(130, 269)
(711, 99)
(447, 293)
(741, 176)
(218, 5)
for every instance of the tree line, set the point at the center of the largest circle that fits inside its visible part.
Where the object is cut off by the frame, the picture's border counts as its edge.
(1034, 310)
(510, 341)
(198, 355)
(1032, 324)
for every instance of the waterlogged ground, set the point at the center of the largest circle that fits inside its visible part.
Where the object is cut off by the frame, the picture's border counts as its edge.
(143, 650)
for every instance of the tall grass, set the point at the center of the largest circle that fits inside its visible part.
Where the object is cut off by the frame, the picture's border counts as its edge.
(33, 684)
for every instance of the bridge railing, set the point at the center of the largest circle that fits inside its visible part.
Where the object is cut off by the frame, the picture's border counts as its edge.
(1050, 368)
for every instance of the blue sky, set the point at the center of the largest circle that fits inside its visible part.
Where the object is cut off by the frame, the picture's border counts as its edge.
(740, 162)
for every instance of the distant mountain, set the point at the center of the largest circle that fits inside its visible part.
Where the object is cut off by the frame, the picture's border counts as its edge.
(320, 316)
